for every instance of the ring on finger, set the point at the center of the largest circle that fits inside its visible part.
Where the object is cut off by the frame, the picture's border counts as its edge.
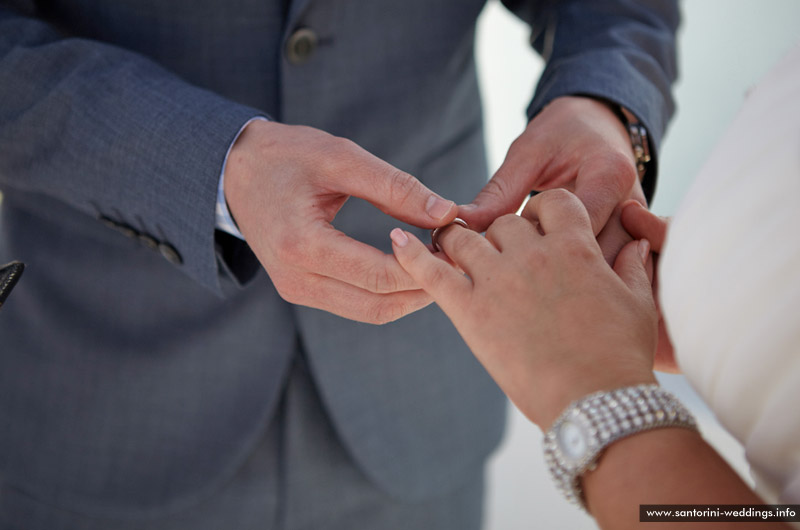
(436, 232)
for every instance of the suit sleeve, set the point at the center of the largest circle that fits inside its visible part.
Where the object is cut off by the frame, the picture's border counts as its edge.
(115, 136)
(623, 51)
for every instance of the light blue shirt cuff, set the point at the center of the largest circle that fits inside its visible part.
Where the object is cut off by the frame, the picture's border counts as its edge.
(224, 219)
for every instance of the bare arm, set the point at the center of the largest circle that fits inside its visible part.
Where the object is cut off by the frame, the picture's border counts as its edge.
(664, 466)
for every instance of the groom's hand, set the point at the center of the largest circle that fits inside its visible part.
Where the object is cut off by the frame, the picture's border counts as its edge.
(575, 143)
(285, 184)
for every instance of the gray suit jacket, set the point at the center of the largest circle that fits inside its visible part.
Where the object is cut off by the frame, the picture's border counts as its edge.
(143, 353)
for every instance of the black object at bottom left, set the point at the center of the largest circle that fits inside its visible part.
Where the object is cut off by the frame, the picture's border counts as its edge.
(10, 274)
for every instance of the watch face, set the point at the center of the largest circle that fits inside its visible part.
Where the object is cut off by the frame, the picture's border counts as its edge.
(573, 440)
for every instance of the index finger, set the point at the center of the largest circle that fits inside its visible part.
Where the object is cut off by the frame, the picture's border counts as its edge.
(469, 250)
(442, 281)
(394, 192)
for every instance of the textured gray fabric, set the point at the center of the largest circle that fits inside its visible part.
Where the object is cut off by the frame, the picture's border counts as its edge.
(299, 477)
(131, 385)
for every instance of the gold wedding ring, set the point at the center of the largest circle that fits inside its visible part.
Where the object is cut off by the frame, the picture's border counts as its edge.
(436, 232)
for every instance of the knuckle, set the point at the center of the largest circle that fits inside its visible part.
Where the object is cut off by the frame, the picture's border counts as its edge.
(436, 276)
(520, 144)
(402, 187)
(578, 249)
(565, 203)
(344, 144)
(557, 196)
(508, 220)
(332, 150)
(536, 258)
(501, 224)
(624, 172)
(497, 189)
(287, 289)
(290, 251)
(381, 280)
(385, 311)
(494, 230)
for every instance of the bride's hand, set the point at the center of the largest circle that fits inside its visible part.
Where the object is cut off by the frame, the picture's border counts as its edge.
(539, 306)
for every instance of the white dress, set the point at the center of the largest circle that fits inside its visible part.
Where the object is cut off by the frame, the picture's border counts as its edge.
(730, 282)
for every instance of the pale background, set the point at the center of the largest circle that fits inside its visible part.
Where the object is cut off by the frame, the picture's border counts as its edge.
(725, 47)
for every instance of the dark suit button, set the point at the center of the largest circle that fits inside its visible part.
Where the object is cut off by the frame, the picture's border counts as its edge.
(301, 45)
(122, 228)
(108, 222)
(148, 241)
(170, 254)
(127, 231)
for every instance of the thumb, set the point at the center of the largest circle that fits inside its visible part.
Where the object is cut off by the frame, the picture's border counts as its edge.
(503, 194)
(630, 267)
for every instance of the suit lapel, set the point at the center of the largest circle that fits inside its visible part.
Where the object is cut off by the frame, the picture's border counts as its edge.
(296, 8)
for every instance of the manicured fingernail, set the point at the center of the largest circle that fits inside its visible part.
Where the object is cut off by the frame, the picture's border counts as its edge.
(399, 237)
(438, 207)
(644, 249)
(467, 208)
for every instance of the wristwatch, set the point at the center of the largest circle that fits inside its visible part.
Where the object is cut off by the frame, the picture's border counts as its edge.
(639, 140)
(577, 439)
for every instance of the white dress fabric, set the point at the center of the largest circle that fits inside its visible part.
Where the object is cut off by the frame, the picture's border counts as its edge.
(730, 282)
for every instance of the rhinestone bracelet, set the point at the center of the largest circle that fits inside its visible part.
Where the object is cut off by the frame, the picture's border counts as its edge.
(574, 443)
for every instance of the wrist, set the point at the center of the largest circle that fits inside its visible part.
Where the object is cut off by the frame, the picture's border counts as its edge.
(224, 218)
(557, 391)
(637, 134)
(241, 167)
